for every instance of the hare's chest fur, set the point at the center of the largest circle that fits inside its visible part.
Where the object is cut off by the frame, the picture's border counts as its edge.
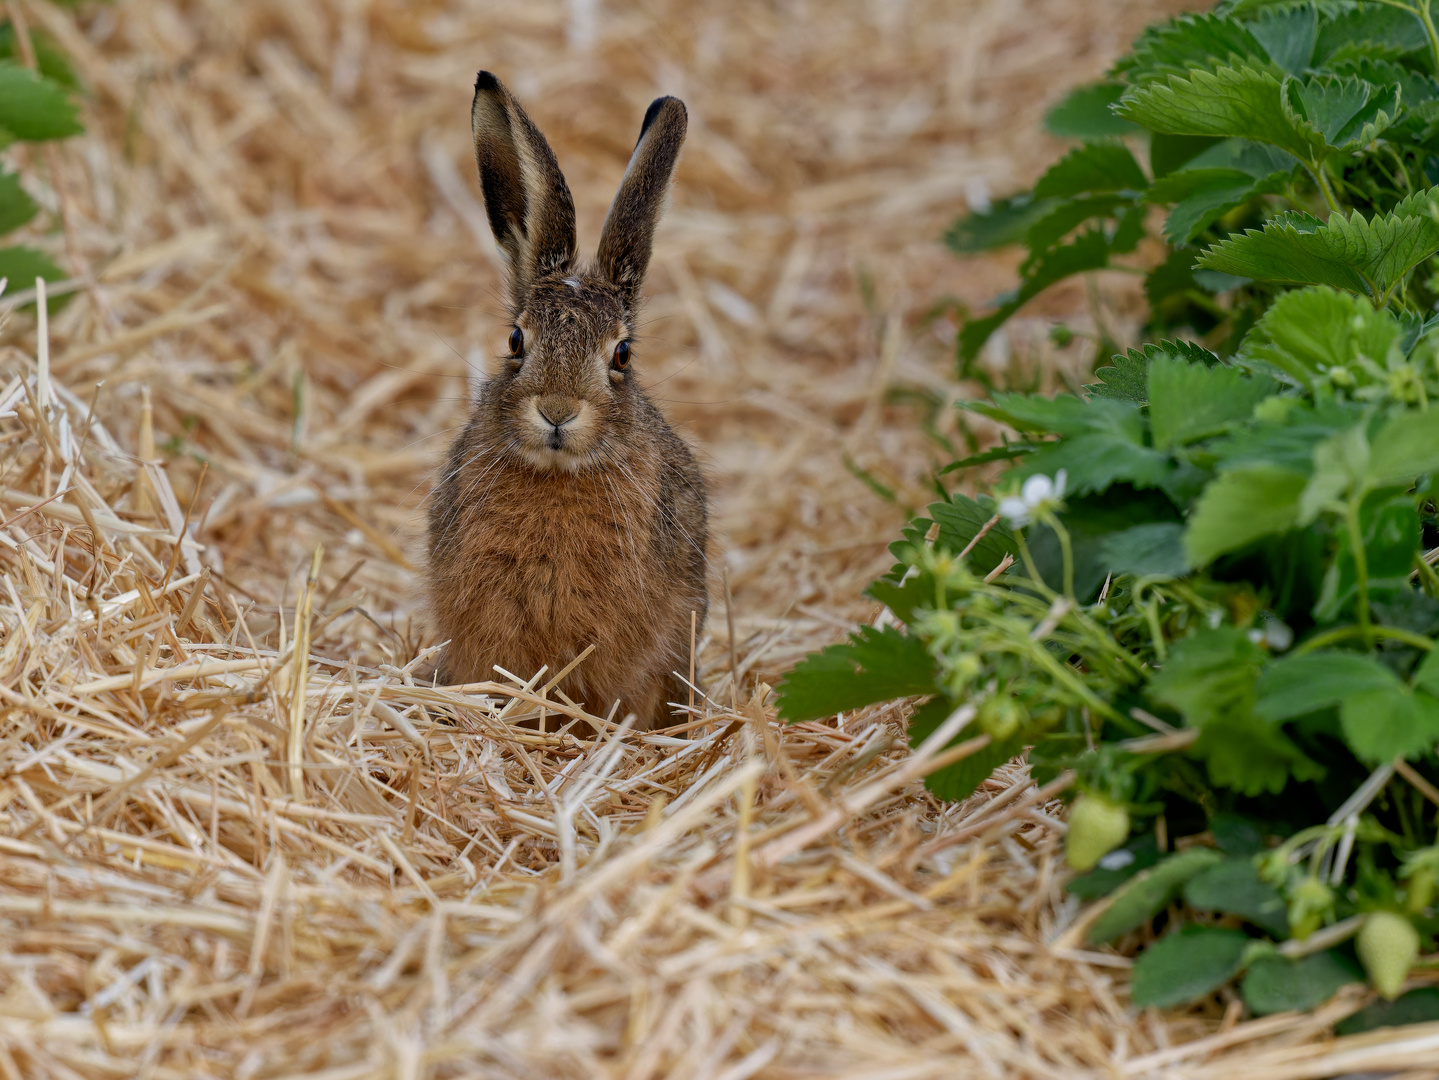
(545, 566)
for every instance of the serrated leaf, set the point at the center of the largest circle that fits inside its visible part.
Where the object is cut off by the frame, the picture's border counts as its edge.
(1226, 103)
(1062, 414)
(22, 265)
(1189, 401)
(1252, 758)
(1415, 87)
(1004, 223)
(1370, 29)
(1235, 888)
(1307, 332)
(1240, 506)
(1153, 550)
(1067, 215)
(1236, 834)
(1201, 196)
(1004, 452)
(1352, 253)
(1088, 251)
(1086, 113)
(1341, 113)
(874, 665)
(1416, 1007)
(1255, 159)
(960, 521)
(1095, 461)
(1403, 449)
(1126, 379)
(1209, 675)
(1380, 725)
(49, 57)
(1296, 685)
(1168, 153)
(1275, 984)
(16, 206)
(958, 781)
(1147, 893)
(1426, 675)
(33, 107)
(1087, 170)
(1187, 42)
(1288, 35)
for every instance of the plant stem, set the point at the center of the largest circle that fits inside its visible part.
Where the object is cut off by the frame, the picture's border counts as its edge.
(1421, 9)
(1343, 633)
(1317, 171)
(1066, 551)
(1428, 20)
(1031, 569)
(1361, 570)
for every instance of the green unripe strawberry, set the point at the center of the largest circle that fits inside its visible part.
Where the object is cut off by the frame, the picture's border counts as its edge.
(1388, 945)
(1000, 716)
(1420, 891)
(1096, 827)
(1310, 903)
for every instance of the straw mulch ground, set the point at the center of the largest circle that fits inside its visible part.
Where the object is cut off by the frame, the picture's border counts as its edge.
(237, 837)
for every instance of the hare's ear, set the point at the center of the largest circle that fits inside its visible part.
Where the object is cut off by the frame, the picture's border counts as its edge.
(629, 228)
(529, 205)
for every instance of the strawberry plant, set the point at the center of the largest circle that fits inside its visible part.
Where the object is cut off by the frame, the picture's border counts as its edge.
(1207, 586)
(36, 84)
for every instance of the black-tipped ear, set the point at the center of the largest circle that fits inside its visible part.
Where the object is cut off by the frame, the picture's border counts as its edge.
(629, 231)
(531, 212)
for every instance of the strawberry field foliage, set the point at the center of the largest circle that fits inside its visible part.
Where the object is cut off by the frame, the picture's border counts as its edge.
(36, 105)
(1205, 585)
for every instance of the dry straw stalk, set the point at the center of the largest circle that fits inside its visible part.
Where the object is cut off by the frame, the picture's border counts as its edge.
(239, 836)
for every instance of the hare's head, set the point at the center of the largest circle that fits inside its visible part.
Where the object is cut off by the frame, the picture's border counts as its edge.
(566, 398)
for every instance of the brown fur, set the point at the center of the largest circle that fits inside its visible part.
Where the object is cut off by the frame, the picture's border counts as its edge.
(570, 513)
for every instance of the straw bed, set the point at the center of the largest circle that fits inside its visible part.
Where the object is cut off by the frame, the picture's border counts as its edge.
(239, 834)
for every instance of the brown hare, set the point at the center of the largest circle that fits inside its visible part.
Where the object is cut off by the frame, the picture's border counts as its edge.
(569, 512)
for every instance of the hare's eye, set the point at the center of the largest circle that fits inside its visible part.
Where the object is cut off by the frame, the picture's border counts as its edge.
(622, 356)
(517, 341)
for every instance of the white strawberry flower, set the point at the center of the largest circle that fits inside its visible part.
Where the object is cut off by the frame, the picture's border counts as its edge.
(1038, 495)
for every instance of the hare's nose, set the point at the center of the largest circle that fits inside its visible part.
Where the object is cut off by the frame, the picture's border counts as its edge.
(557, 413)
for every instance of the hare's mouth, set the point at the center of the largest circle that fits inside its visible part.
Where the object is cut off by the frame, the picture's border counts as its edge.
(559, 435)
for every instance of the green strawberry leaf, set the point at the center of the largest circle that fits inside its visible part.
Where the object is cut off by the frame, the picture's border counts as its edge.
(1309, 331)
(1201, 196)
(1099, 167)
(22, 265)
(1276, 984)
(1227, 103)
(1088, 251)
(1340, 113)
(33, 107)
(958, 781)
(1297, 685)
(1240, 506)
(1416, 1007)
(1003, 223)
(1087, 113)
(1234, 887)
(1187, 42)
(1406, 447)
(16, 206)
(1153, 550)
(1358, 255)
(1192, 401)
(1382, 724)
(874, 665)
(1147, 893)
(1186, 965)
